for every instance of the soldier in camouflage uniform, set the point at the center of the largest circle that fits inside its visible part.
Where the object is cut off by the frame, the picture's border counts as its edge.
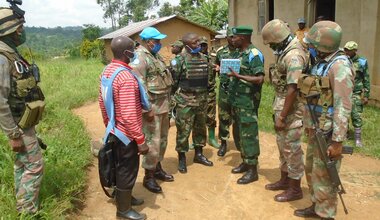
(333, 78)
(290, 62)
(244, 97)
(191, 70)
(177, 47)
(224, 108)
(211, 98)
(361, 90)
(150, 66)
(19, 89)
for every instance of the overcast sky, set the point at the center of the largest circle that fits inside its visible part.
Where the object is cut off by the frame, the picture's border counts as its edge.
(53, 13)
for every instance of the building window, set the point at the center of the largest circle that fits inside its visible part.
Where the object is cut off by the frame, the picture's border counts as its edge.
(266, 13)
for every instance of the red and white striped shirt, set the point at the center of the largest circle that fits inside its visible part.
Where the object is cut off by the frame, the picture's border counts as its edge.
(126, 95)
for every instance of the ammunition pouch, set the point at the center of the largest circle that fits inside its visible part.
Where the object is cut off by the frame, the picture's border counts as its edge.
(32, 114)
(196, 72)
(278, 76)
(309, 85)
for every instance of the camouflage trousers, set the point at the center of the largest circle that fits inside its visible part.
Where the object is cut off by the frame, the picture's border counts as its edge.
(357, 110)
(224, 115)
(291, 154)
(211, 110)
(28, 172)
(156, 137)
(321, 189)
(190, 119)
(246, 134)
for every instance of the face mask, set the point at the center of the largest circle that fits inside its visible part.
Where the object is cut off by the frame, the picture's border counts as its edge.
(156, 48)
(313, 52)
(22, 37)
(194, 51)
(131, 59)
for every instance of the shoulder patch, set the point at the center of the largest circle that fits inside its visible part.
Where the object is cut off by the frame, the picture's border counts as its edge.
(255, 52)
(173, 62)
(136, 61)
(362, 61)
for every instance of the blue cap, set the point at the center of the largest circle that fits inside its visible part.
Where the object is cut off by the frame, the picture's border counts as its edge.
(301, 21)
(151, 33)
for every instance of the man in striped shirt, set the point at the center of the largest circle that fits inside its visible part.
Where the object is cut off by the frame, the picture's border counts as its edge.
(128, 119)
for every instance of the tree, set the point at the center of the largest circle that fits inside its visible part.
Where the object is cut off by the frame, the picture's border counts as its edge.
(122, 12)
(212, 13)
(113, 9)
(91, 32)
(166, 10)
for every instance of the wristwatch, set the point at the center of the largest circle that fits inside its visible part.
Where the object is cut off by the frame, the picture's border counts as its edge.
(16, 134)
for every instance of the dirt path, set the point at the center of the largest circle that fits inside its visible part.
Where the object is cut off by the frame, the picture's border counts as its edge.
(212, 192)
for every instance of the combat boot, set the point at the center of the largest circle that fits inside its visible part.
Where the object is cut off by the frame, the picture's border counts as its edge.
(149, 182)
(223, 149)
(250, 176)
(308, 212)
(124, 208)
(294, 192)
(160, 174)
(358, 137)
(240, 169)
(200, 158)
(282, 184)
(182, 162)
(211, 138)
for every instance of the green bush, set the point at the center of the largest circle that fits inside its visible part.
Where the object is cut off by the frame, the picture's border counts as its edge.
(67, 84)
(92, 49)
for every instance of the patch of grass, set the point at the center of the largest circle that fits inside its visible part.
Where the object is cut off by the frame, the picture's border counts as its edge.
(67, 84)
(266, 109)
(370, 133)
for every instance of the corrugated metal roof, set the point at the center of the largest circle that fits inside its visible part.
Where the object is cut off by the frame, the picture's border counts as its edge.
(139, 26)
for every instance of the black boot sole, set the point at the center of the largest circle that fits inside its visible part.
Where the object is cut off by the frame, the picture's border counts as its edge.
(204, 163)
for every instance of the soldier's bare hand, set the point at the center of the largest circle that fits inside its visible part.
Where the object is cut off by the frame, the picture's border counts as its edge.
(232, 73)
(216, 67)
(365, 101)
(143, 149)
(17, 144)
(150, 116)
(279, 125)
(334, 151)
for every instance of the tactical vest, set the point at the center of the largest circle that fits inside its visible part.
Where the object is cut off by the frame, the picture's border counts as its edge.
(26, 100)
(318, 82)
(194, 75)
(278, 73)
(158, 78)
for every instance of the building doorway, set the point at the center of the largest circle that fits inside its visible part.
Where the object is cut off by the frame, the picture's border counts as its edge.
(325, 9)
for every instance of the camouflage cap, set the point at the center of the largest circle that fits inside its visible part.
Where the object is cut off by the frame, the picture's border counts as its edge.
(351, 45)
(301, 21)
(177, 43)
(325, 36)
(203, 40)
(275, 32)
(9, 21)
(242, 30)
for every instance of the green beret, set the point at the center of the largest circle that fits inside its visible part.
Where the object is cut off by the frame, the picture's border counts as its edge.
(242, 30)
(177, 43)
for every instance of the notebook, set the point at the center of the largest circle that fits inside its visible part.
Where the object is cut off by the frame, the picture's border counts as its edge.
(225, 64)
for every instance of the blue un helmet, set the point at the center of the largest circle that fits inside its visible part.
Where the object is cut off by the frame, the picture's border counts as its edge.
(151, 33)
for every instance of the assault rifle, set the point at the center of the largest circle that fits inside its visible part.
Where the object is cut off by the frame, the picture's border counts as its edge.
(321, 138)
